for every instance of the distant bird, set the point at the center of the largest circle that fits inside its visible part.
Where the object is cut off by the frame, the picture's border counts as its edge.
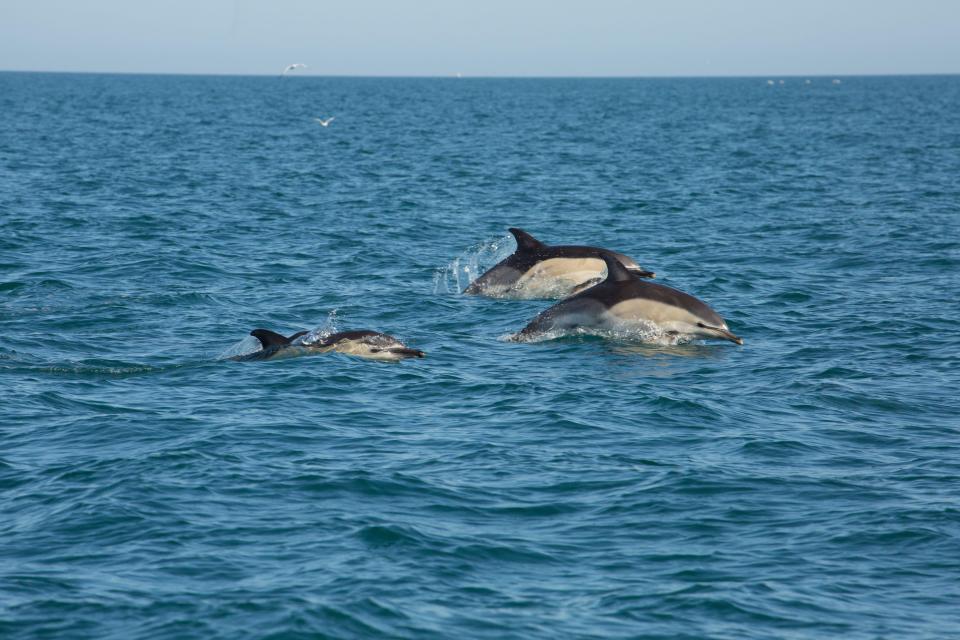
(324, 123)
(293, 67)
(770, 82)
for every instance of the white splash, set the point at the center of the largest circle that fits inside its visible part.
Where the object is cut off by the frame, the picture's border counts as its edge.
(244, 347)
(249, 344)
(471, 264)
(645, 333)
(320, 333)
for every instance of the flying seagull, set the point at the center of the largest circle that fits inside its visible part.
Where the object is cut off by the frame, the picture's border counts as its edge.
(325, 123)
(292, 67)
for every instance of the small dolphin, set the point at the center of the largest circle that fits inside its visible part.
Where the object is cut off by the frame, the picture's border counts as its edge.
(536, 270)
(625, 302)
(363, 343)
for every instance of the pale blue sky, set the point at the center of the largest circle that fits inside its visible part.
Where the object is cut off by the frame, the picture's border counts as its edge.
(484, 37)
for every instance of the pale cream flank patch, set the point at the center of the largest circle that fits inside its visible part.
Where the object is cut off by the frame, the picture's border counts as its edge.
(642, 310)
(559, 276)
(364, 350)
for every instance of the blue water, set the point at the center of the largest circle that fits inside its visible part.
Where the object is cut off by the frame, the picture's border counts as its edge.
(804, 485)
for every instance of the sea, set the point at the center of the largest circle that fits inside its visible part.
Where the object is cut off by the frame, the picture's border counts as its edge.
(803, 485)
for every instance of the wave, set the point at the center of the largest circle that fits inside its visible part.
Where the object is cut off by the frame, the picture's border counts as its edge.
(96, 367)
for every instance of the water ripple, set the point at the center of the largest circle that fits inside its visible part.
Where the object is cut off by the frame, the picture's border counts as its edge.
(802, 486)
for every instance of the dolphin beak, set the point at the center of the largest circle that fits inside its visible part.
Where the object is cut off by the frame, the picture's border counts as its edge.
(643, 273)
(407, 352)
(721, 333)
(729, 336)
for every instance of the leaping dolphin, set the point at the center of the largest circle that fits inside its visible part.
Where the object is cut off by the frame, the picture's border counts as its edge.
(536, 270)
(625, 302)
(363, 343)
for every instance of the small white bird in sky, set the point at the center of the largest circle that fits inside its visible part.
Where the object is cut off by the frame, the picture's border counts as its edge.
(293, 67)
(325, 123)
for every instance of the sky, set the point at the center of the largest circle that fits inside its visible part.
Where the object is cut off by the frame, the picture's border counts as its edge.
(484, 37)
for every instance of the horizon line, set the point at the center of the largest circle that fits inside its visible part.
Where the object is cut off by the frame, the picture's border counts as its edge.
(460, 76)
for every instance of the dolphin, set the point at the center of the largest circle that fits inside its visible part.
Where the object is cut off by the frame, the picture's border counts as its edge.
(623, 302)
(536, 270)
(363, 343)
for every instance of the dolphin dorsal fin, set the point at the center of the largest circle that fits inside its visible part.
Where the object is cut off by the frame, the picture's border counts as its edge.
(525, 241)
(269, 338)
(616, 272)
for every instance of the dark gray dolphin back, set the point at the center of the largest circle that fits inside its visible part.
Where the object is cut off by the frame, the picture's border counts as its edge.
(334, 338)
(530, 251)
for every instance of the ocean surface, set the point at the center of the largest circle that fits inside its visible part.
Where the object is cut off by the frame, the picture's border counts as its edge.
(804, 485)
